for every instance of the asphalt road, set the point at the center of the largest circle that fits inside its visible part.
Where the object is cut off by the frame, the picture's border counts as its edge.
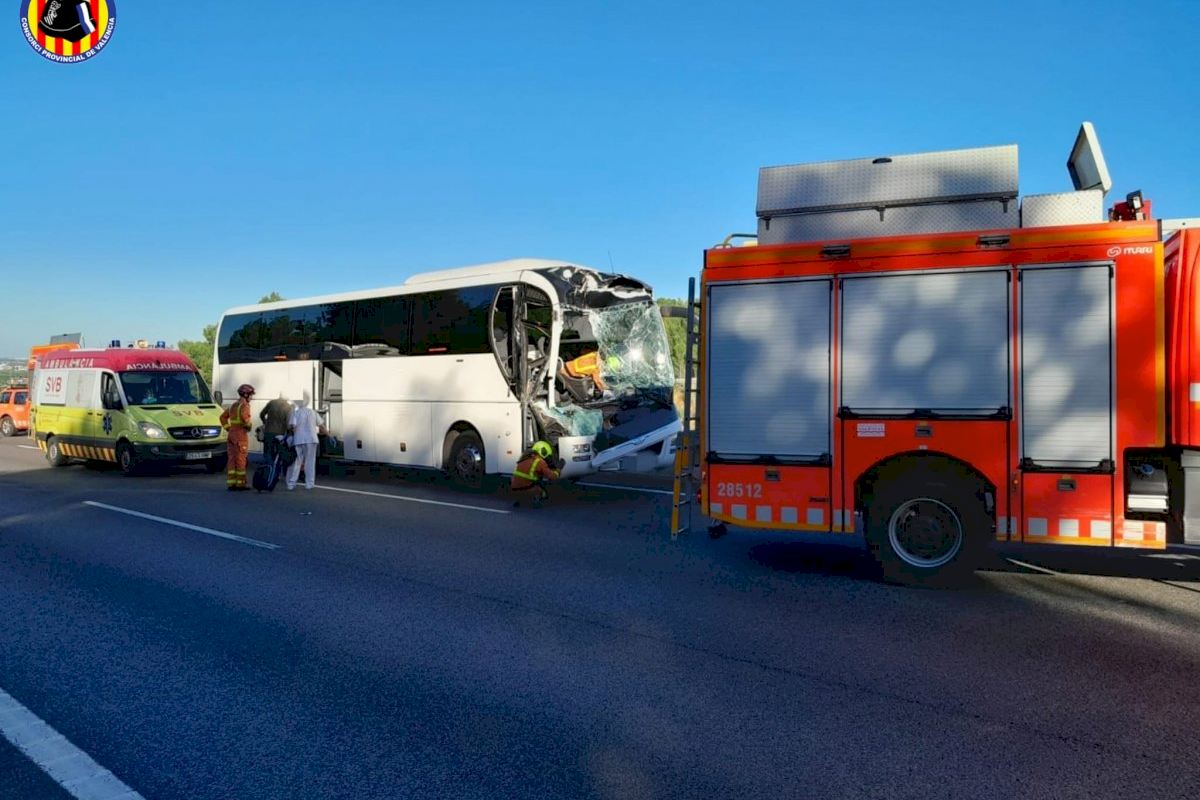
(445, 646)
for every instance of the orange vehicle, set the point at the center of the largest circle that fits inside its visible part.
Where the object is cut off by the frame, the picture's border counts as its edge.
(910, 353)
(15, 399)
(14, 409)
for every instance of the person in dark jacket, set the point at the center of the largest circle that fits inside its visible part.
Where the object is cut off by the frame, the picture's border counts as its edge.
(275, 425)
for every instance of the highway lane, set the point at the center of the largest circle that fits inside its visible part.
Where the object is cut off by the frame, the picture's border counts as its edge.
(390, 648)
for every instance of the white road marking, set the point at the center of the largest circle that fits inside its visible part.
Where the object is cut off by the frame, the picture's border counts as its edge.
(221, 534)
(1033, 567)
(28, 447)
(69, 767)
(627, 488)
(417, 500)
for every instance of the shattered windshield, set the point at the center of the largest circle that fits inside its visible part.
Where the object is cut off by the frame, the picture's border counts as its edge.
(634, 355)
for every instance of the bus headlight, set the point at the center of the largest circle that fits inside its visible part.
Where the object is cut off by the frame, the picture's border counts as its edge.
(152, 431)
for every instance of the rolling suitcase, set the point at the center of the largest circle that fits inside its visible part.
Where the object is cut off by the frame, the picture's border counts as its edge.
(266, 476)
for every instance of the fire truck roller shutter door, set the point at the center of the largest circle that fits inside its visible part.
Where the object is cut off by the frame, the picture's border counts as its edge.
(1066, 365)
(936, 340)
(769, 369)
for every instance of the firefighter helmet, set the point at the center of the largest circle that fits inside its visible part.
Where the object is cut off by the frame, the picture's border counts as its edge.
(543, 449)
(245, 390)
(70, 20)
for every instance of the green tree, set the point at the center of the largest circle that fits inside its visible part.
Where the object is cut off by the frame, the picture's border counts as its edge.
(676, 333)
(201, 352)
(273, 297)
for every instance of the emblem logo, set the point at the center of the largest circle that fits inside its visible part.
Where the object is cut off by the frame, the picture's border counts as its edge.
(195, 433)
(108, 423)
(1113, 252)
(68, 31)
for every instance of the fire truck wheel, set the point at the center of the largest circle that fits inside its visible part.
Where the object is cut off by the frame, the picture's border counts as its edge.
(7, 428)
(926, 528)
(54, 454)
(126, 458)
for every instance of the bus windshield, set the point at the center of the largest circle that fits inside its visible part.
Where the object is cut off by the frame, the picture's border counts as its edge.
(634, 356)
(161, 388)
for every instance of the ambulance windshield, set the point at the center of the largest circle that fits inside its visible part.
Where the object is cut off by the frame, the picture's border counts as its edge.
(162, 388)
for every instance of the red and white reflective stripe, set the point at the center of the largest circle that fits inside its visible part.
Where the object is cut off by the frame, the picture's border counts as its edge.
(814, 517)
(1139, 531)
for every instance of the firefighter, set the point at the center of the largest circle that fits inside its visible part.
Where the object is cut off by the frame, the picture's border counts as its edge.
(588, 366)
(236, 420)
(534, 473)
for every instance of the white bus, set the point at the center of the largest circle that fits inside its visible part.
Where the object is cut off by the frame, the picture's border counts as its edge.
(463, 369)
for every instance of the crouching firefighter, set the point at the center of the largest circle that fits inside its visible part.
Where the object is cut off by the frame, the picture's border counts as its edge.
(534, 473)
(236, 420)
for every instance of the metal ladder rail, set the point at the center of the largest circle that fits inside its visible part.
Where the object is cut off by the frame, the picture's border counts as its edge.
(686, 461)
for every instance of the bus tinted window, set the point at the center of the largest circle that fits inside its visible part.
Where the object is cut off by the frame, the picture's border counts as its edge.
(335, 338)
(320, 331)
(453, 321)
(241, 338)
(381, 327)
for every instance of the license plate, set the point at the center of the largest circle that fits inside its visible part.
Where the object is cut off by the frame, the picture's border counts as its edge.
(197, 456)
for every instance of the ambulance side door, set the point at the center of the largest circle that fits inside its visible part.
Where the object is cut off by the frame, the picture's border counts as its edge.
(112, 419)
(83, 398)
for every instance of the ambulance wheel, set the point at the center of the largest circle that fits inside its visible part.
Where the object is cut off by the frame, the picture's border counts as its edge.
(927, 528)
(215, 465)
(7, 428)
(467, 464)
(126, 458)
(54, 453)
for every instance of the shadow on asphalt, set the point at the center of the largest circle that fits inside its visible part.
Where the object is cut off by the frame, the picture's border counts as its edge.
(808, 558)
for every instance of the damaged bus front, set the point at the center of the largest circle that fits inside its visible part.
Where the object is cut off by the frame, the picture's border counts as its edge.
(587, 356)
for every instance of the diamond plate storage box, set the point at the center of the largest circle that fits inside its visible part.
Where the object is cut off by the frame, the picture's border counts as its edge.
(1062, 208)
(953, 190)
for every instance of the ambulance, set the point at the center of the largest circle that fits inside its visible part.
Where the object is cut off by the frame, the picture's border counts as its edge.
(132, 406)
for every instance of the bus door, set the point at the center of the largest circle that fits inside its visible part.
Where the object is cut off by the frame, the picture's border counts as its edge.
(329, 391)
(507, 338)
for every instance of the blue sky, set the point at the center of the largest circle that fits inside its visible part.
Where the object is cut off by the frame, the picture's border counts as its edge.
(217, 151)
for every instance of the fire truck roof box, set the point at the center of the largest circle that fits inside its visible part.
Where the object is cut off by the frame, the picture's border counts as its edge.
(952, 190)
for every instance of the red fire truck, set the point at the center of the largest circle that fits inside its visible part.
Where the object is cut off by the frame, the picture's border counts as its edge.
(911, 351)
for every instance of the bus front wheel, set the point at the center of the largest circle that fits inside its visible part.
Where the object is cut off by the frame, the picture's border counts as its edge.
(467, 465)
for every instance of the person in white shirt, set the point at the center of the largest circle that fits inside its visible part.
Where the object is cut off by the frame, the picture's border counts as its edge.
(305, 430)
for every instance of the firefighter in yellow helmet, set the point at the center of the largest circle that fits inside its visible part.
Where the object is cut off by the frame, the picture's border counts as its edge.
(236, 420)
(534, 473)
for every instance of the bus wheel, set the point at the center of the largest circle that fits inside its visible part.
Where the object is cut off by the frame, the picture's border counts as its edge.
(925, 530)
(7, 428)
(126, 459)
(54, 454)
(467, 465)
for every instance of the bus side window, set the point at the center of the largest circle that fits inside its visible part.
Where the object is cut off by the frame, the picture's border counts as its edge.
(454, 321)
(381, 327)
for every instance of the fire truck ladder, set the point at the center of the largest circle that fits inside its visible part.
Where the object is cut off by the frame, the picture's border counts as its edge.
(687, 449)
